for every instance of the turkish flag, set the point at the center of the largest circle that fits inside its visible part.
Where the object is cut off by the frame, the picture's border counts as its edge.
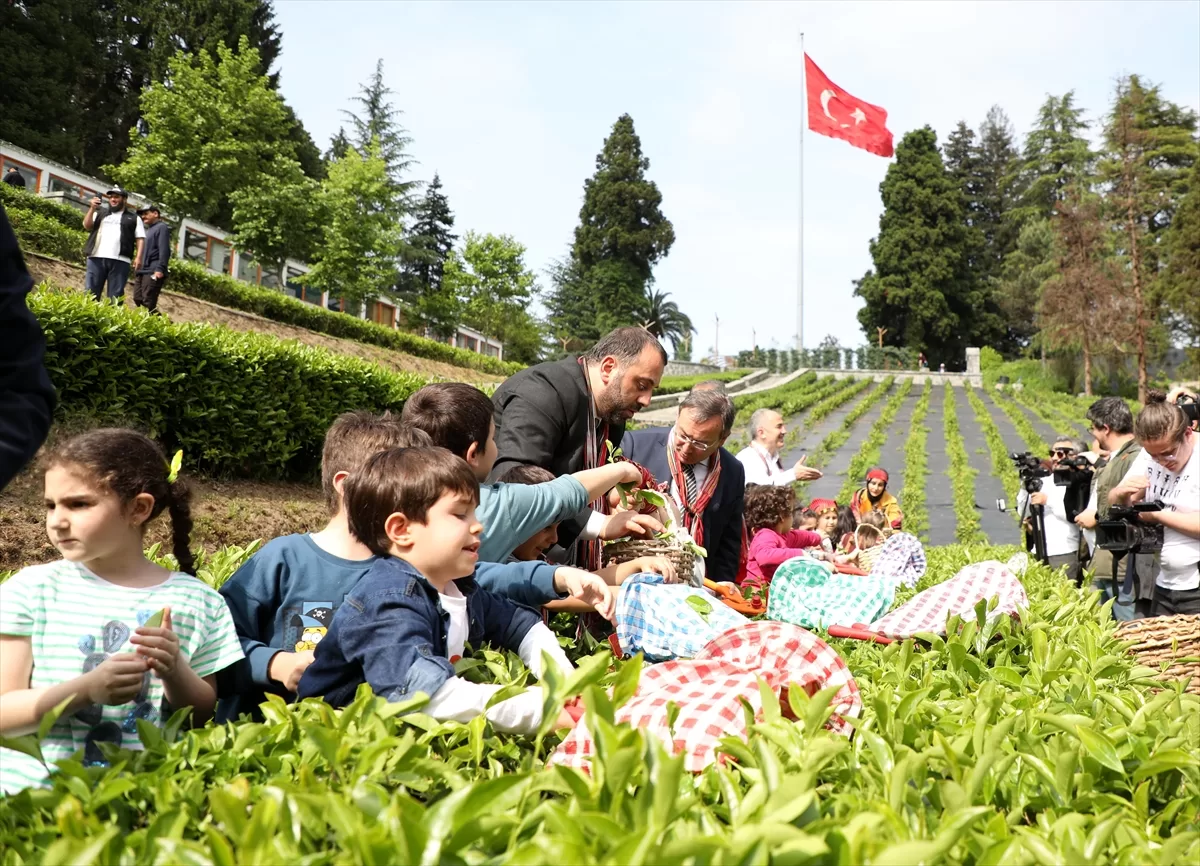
(834, 112)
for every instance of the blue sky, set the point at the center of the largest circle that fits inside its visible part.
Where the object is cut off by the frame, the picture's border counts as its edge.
(511, 102)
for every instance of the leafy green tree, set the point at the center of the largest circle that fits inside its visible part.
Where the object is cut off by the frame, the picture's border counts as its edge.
(361, 236)
(338, 145)
(1150, 146)
(622, 231)
(1056, 155)
(571, 305)
(664, 319)
(1180, 281)
(921, 288)
(1019, 284)
(215, 127)
(496, 289)
(430, 242)
(279, 217)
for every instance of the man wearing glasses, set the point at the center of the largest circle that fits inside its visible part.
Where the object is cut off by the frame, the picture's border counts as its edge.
(706, 481)
(1062, 535)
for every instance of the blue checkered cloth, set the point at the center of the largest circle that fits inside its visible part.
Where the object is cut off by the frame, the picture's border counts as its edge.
(654, 618)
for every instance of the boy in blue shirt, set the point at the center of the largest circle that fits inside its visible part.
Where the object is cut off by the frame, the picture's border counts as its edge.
(410, 617)
(284, 597)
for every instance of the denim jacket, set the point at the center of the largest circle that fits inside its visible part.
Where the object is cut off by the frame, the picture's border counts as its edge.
(391, 632)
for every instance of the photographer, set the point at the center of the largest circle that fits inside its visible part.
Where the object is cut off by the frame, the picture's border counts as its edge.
(1061, 534)
(1167, 470)
(1112, 429)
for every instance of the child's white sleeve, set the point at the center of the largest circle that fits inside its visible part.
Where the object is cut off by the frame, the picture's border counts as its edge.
(540, 639)
(460, 701)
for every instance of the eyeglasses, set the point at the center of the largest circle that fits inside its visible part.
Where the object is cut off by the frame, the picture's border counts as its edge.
(1170, 456)
(1062, 452)
(684, 439)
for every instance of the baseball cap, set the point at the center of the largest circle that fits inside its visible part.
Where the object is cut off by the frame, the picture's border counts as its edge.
(115, 189)
(149, 207)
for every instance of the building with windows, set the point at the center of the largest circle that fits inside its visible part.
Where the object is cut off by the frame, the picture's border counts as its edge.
(210, 246)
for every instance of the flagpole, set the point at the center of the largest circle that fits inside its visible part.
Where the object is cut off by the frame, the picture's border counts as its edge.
(800, 256)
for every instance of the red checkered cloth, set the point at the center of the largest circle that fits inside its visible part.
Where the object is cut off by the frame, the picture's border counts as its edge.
(709, 689)
(927, 611)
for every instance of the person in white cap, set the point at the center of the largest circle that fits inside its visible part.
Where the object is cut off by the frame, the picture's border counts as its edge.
(114, 245)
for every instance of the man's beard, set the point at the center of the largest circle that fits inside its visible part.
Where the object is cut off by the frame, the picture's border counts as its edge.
(608, 402)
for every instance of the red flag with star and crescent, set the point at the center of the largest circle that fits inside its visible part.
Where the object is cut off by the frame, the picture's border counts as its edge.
(834, 112)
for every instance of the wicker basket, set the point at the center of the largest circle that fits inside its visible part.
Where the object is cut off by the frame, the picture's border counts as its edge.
(1174, 640)
(632, 548)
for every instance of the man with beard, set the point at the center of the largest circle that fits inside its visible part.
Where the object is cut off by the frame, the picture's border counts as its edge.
(565, 416)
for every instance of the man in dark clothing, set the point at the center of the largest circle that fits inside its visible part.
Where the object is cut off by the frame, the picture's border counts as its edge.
(706, 481)
(26, 395)
(14, 178)
(114, 245)
(560, 414)
(153, 271)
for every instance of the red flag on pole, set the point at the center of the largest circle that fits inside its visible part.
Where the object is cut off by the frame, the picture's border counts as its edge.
(834, 112)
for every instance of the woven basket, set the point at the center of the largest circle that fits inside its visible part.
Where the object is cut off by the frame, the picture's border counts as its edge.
(632, 548)
(1171, 640)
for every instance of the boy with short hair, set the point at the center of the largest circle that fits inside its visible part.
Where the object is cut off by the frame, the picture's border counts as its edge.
(409, 618)
(461, 419)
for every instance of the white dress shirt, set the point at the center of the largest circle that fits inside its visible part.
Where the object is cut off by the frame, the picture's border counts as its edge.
(1062, 536)
(763, 467)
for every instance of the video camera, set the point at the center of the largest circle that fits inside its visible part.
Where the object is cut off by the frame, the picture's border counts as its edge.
(1030, 469)
(1122, 532)
(1075, 474)
(1190, 407)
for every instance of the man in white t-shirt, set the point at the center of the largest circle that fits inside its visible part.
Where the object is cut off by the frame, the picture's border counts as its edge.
(761, 458)
(1168, 471)
(114, 245)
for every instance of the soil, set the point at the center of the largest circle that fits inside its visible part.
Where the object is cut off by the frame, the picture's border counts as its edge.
(182, 308)
(225, 513)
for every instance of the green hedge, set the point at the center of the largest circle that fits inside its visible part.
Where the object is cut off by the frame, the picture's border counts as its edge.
(63, 214)
(676, 384)
(237, 403)
(37, 232)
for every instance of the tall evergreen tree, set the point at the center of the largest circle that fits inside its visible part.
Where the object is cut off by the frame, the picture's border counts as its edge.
(430, 240)
(1056, 155)
(377, 120)
(921, 288)
(963, 164)
(1150, 144)
(571, 306)
(1180, 281)
(997, 191)
(1019, 284)
(622, 231)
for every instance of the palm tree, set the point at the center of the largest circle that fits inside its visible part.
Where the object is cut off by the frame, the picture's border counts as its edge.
(663, 318)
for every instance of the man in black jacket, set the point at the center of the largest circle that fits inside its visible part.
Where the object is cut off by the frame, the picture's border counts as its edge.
(114, 244)
(153, 271)
(26, 395)
(559, 415)
(706, 481)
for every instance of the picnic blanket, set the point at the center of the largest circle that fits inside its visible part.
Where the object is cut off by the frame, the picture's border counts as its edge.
(656, 618)
(709, 690)
(927, 611)
(901, 560)
(804, 592)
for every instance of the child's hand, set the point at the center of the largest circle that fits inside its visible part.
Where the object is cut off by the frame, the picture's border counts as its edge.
(629, 523)
(116, 680)
(587, 587)
(287, 668)
(658, 565)
(158, 646)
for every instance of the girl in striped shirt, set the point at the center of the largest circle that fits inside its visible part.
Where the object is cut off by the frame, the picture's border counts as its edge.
(118, 637)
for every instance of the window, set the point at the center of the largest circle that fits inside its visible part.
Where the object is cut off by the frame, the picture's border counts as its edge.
(269, 279)
(69, 190)
(247, 269)
(195, 246)
(382, 314)
(220, 257)
(337, 304)
(33, 176)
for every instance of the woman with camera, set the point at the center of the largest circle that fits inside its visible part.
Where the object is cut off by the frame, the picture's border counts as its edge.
(1168, 471)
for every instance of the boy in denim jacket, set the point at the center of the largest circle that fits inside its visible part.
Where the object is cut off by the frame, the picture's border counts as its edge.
(406, 622)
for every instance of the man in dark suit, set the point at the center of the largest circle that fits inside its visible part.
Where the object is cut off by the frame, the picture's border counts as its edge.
(706, 481)
(559, 415)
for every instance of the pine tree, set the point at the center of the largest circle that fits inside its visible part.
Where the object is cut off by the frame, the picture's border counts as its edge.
(921, 288)
(622, 232)
(571, 306)
(998, 191)
(431, 240)
(1180, 280)
(963, 164)
(380, 121)
(1019, 284)
(1056, 155)
(1150, 144)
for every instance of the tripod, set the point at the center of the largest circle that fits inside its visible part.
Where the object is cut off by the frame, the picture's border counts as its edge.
(1037, 517)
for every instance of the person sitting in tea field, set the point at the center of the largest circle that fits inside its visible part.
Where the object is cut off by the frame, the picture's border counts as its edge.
(535, 547)
(864, 548)
(843, 530)
(412, 615)
(283, 597)
(773, 541)
(875, 497)
(826, 511)
(460, 418)
(117, 638)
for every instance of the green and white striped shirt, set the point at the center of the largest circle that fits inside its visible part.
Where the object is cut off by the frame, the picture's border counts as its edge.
(75, 620)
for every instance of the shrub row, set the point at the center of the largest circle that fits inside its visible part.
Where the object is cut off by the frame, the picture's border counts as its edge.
(916, 460)
(962, 477)
(1036, 741)
(1002, 466)
(676, 384)
(868, 452)
(1034, 441)
(43, 227)
(237, 403)
(838, 435)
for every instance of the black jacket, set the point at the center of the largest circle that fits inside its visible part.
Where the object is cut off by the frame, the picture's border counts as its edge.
(26, 395)
(129, 221)
(156, 253)
(541, 420)
(723, 516)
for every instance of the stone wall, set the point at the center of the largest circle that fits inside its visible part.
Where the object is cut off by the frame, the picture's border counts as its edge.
(687, 368)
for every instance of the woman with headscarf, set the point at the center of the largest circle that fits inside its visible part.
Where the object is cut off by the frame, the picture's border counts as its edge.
(875, 497)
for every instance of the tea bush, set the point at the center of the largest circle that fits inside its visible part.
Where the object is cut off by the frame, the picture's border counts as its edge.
(236, 403)
(63, 214)
(46, 235)
(1005, 742)
(676, 384)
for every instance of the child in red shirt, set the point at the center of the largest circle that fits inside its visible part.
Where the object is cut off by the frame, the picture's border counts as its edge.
(769, 520)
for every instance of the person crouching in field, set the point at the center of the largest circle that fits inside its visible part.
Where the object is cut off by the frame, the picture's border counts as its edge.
(773, 541)
(119, 639)
(409, 619)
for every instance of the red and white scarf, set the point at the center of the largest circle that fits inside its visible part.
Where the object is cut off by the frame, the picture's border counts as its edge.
(693, 512)
(595, 455)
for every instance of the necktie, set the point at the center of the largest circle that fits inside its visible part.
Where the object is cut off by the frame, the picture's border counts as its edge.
(689, 481)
